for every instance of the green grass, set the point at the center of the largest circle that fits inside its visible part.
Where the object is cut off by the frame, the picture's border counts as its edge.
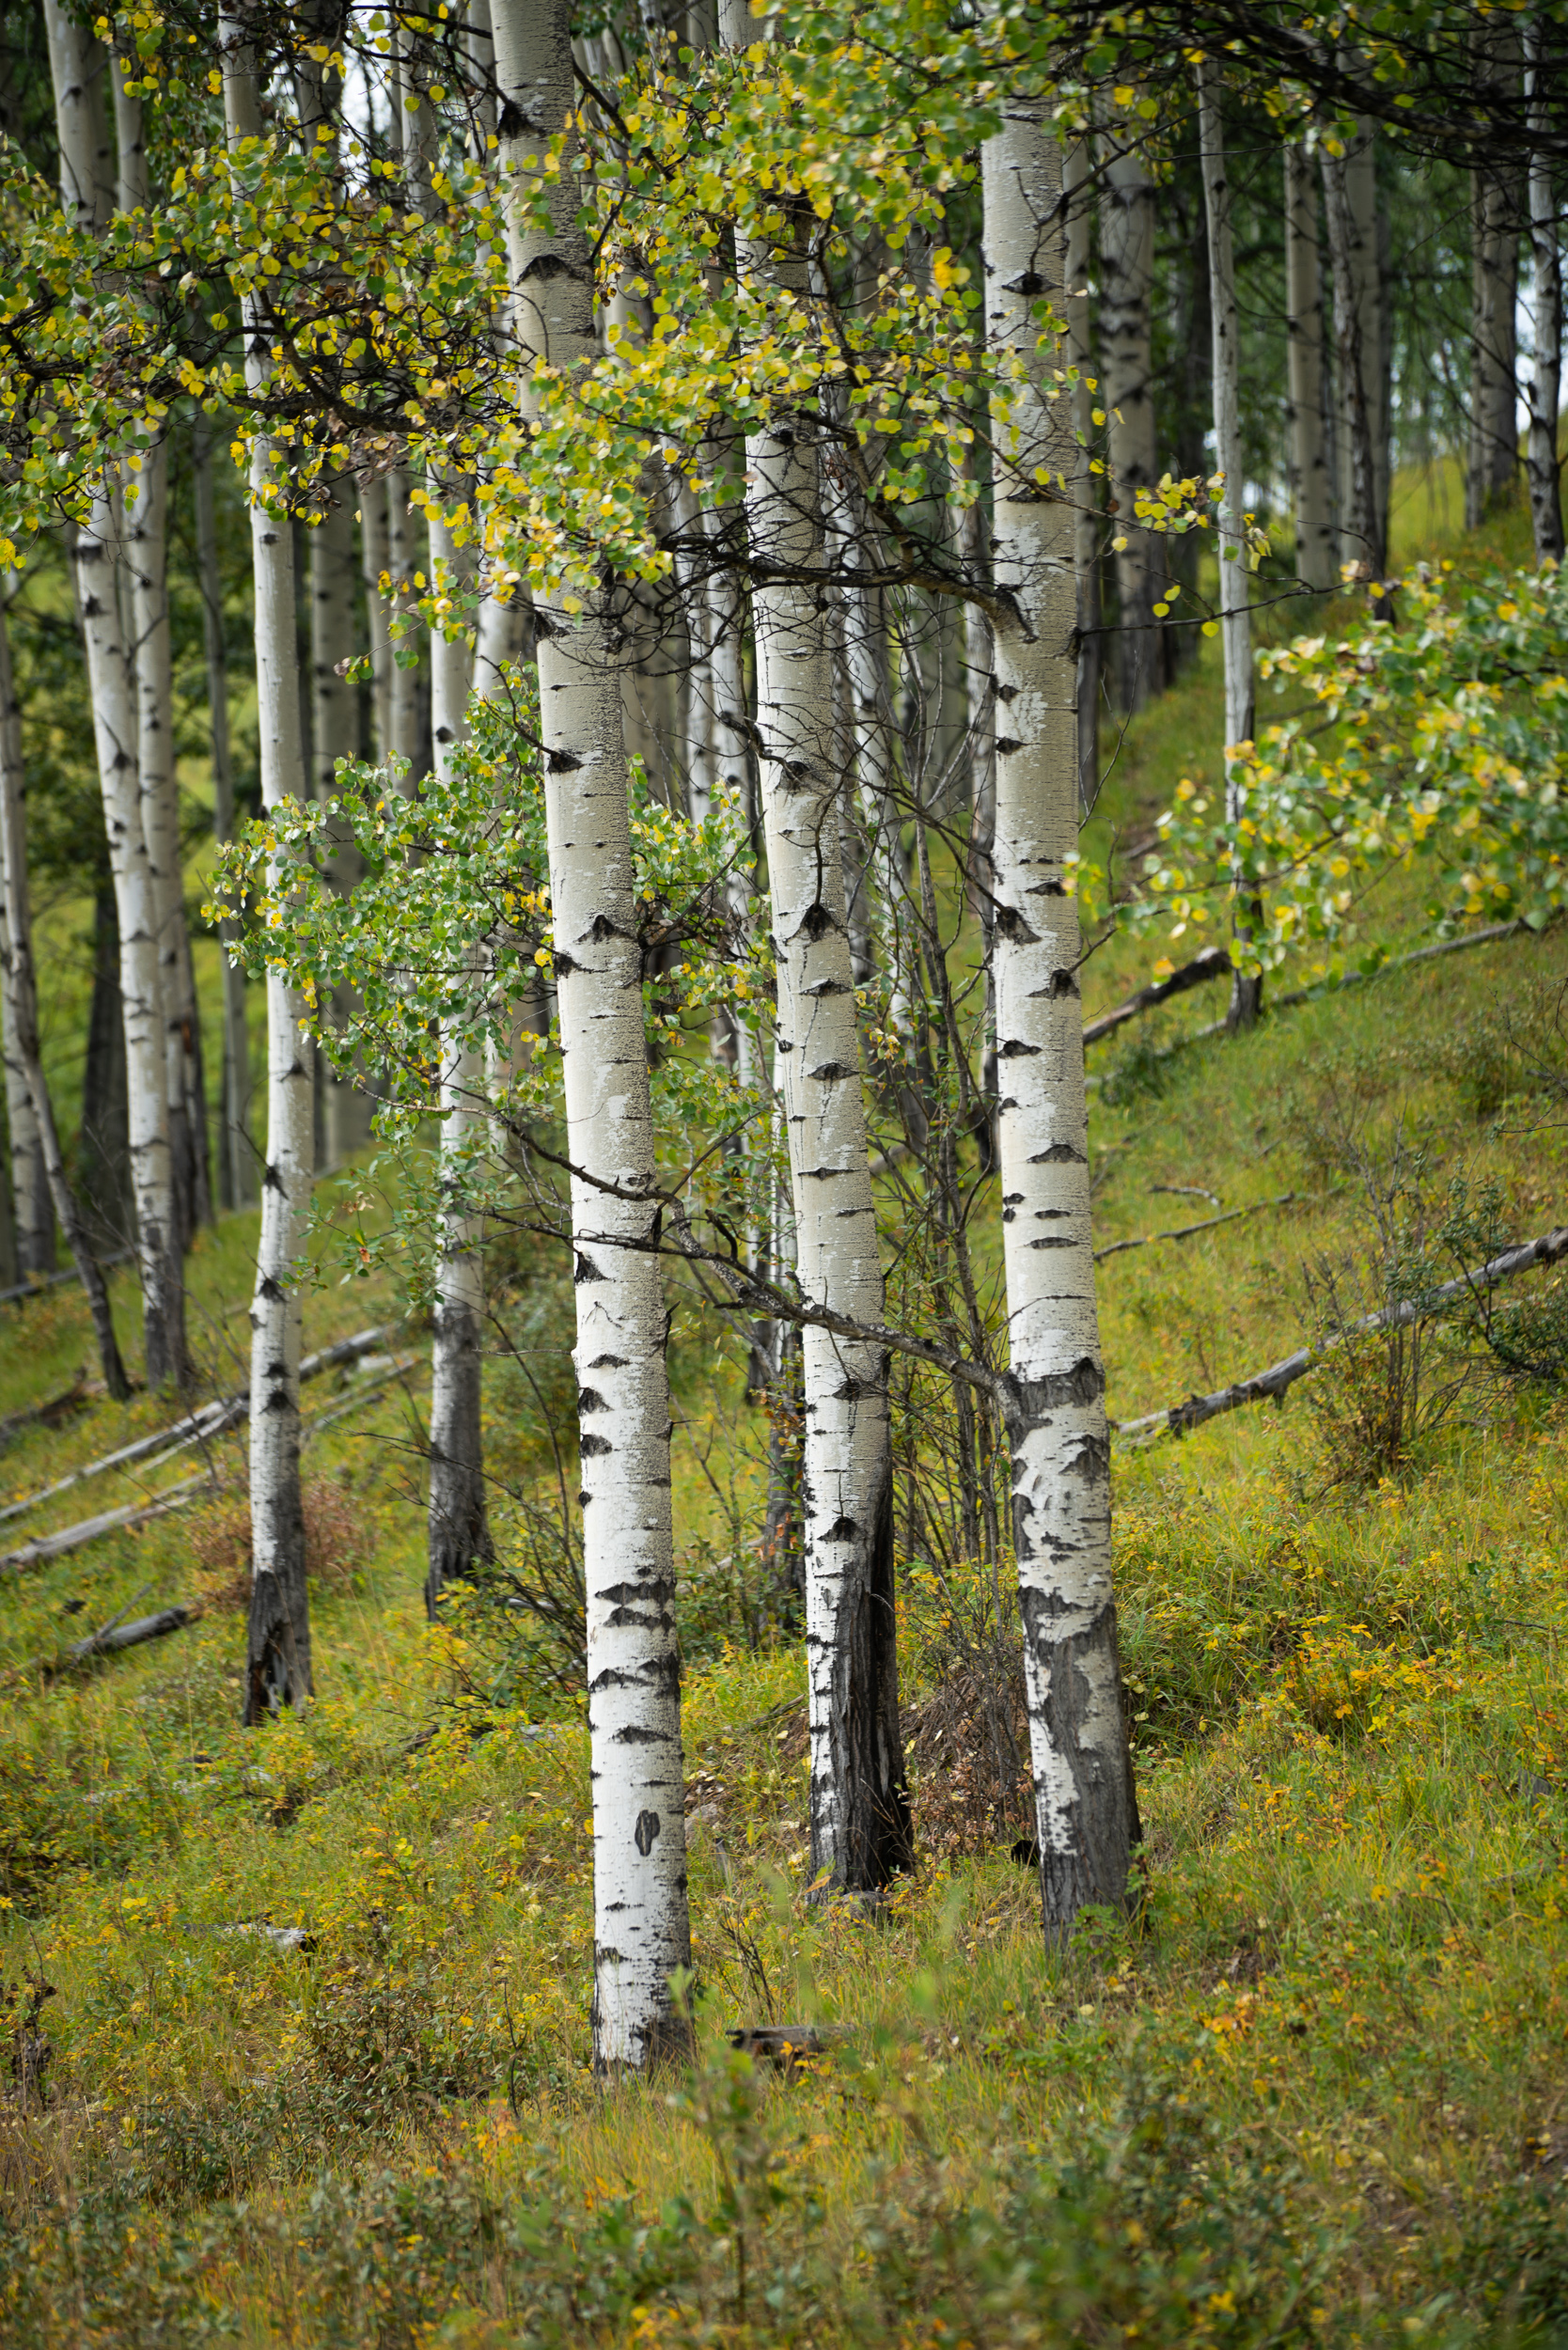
(1311, 2090)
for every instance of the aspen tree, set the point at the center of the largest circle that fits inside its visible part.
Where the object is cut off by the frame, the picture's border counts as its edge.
(87, 194)
(1085, 1804)
(860, 1823)
(642, 1934)
(1126, 286)
(334, 735)
(145, 558)
(1235, 609)
(1086, 560)
(236, 1169)
(278, 1667)
(1310, 488)
(1544, 388)
(32, 1208)
(1361, 438)
(18, 983)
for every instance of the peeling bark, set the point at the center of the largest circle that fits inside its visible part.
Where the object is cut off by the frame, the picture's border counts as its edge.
(1085, 1804)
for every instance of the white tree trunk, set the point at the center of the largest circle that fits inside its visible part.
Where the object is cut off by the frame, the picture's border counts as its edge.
(87, 191)
(236, 1158)
(459, 1521)
(642, 1933)
(1085, 1804)
(374, 559)
(277, 1669)
(1494, 274)
(1235, 606)
(334, 735)
(860, 1821)
(1086, 518)
(1546, 383)
(1311, 489)
(407, 686)
(33, 1210)
(18, 984)
(1126, 283)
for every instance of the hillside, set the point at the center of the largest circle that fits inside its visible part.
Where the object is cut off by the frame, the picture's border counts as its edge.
(298, 2023)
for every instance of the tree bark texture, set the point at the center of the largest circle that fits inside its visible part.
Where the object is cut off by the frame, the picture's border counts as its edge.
(408, 687)
(1085, 1803)
(236, 1178)
(641, 1927)
(860, 1821)
(1235, 609)
(333, 736)
(459, 1519)
(21, 991)
(277, 1665)
(1542, 464)
(87, 194)
(1086, 518)
(103, 1147)
(1493, 359)
(1126, 282)
(1311, 490)
(1358, 358)
(32, 1228)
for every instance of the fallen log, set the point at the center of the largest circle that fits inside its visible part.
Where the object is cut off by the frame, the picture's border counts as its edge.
(1185, 1231)
(41, 1281)
(1280, 1377)
(72, 1398)
(1212, 963)
(212, 1420)
(136, 1513)
(112, 1640)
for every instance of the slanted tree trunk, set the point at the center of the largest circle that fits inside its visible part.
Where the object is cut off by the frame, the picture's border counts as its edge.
(87, 188)
(1085, 1804)
(1358, 362)
(236, 1158)
(1310, 488)
(1544, 388)
(18, 979)
(1235, 608)
(32, 1225)
(860, 1819)
(1126, 281)
(642, 1932)
(277, 1663)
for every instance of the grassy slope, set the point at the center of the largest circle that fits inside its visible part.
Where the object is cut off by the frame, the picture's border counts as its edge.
(1350, 1963)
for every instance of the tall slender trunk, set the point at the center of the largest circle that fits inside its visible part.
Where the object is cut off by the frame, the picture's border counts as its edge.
(459, 1525)
(1358, 365)
(1545, 380)
(21, 993)
(1235, 604)
(236, 1157)
(860, 1820)
(375, 559)
(1086, 534)
(333, 736)
(277, 1665)
(1126, 282)
(642, 1931)
(32, 1230)
(408, 680)
(87, 191)
(1493, 276)
(1085, 1803)
(104, 1146)
(1311, 489)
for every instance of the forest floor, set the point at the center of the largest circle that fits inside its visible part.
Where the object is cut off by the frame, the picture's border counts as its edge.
(1314, 2089)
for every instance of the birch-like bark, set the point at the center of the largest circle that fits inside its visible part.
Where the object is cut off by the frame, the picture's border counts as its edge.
(145, 553)
(87, 194)
(277, 1665)
(1311, 489)
(236, 1172)
(642, 1932)
(1542, 464)
(1235, 606)
(408, 687)
(1086, 551)
(1358, 364)
(19, 982)
(458, 1520)
(1085, 1803)
(375, 559)
(1126, 282)
(333, 736)
(1494, 274)
(32, 1208)
(860, 1820)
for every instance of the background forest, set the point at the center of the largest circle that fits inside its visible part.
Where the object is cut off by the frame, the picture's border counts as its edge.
(782, 1354)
